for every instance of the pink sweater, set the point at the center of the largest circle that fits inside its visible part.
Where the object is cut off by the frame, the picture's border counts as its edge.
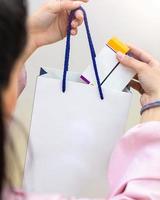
(134, 171)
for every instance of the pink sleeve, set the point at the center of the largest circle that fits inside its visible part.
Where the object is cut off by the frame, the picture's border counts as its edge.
(134, 171)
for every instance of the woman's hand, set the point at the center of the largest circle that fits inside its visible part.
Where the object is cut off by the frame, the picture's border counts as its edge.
(148, 78)
(148, 73)
(49, 24)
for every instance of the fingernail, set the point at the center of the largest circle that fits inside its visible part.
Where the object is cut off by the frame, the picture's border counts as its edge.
(120, 56)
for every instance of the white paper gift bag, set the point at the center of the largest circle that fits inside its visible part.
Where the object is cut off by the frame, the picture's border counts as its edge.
(72, 135)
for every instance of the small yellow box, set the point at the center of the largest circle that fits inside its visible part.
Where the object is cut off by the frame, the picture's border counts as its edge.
(115, 44)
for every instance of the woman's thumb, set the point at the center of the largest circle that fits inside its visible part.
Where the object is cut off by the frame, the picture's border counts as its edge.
(130, 62)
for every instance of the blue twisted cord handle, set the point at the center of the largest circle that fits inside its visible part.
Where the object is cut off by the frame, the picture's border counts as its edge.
(92, 50)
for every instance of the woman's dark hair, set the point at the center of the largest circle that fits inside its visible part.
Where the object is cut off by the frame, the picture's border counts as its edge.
(13, 38)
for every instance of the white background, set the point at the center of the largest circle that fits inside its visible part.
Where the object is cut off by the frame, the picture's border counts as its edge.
(135, 21)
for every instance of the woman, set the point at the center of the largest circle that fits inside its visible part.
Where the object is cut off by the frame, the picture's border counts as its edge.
(137, 154)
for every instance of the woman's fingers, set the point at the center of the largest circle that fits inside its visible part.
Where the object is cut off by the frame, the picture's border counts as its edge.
(78, 19)
(140, 54)
(131, 62)
(77, 22)
(74, 24)
(59, 6)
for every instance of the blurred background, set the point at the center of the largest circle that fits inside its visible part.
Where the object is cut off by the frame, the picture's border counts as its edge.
(134, 21)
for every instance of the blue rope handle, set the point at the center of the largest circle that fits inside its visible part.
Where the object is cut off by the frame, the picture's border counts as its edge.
(92, 50)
